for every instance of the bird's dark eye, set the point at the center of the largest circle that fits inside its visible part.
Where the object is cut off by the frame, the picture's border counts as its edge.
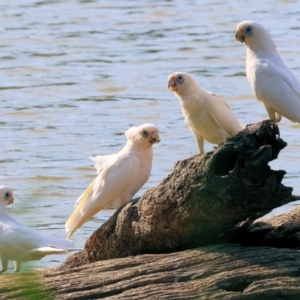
(7, 195)
(145, 133)
(249, 31)
(180, 79)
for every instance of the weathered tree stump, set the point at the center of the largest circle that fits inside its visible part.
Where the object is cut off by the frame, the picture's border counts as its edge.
(207, 199)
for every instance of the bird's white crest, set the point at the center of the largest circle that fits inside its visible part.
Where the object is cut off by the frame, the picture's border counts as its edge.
(20, 243)
(206, 115)
(271, 81)
(120, 176)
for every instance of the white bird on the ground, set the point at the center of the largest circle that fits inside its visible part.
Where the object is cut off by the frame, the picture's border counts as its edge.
(120, 176)
(207, 115)
(271, 81)
(20, 243)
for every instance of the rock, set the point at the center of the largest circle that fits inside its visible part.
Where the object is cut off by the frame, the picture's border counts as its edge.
(225, 271)
(207, 199)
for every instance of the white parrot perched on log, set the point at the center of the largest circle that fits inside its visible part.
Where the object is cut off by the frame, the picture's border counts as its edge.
(207, 115)
(20, 243)
(120, 176)
(271, 81)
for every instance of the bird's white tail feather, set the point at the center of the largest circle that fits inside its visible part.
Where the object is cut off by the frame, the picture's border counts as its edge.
(76, 219)
(38, 253)
(48, 250)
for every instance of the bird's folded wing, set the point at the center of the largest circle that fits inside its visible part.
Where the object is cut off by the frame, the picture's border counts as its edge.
(19, 237)
(278, 88)
(117, 180)
(222, 115)
(114, 180)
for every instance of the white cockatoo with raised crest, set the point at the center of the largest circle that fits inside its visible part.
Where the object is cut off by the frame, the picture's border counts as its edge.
(120, 176)
(207, 115)
(271, 81)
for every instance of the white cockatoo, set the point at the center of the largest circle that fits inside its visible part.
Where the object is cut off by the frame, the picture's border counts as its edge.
(271, 81)
(120, 176)
(207, 115)
(20, 243)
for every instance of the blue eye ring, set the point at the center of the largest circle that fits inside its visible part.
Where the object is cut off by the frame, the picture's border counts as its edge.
(180, 79)
(145, 133)
(248, 30)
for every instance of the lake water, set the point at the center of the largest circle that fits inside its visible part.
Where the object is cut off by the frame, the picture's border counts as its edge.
(76, 74)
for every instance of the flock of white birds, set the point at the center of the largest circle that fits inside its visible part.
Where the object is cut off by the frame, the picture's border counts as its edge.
(121, 175)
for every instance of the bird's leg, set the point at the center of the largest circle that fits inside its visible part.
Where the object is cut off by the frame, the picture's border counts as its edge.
(117, 202)
(273, 115)
(17, 266)
(278, 117)
(222, 136)
(4, 263)
(200, 143)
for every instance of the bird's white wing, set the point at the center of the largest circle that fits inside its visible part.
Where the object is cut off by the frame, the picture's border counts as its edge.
(11, 241)
(118, 180)
(101, 160)
(277, 87)
(222, 115)
(16, 239)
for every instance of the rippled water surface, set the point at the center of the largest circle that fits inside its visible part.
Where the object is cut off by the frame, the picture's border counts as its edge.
(76, 74)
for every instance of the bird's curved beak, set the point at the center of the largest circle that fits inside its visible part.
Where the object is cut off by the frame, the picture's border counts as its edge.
(172, 84)
(154, 138)
(239, 36)
(10, 201)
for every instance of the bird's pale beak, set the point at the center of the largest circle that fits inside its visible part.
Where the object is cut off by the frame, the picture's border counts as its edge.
(10, 201)
(172, 84)
(154, 138)
(239, 36)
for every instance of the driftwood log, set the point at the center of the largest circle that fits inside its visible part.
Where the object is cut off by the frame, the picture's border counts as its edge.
(207, 199)
(227, 271)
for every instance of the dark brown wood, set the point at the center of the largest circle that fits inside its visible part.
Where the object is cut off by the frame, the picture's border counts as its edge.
(277, 231)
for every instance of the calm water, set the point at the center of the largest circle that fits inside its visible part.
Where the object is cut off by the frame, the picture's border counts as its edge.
(76, 74)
